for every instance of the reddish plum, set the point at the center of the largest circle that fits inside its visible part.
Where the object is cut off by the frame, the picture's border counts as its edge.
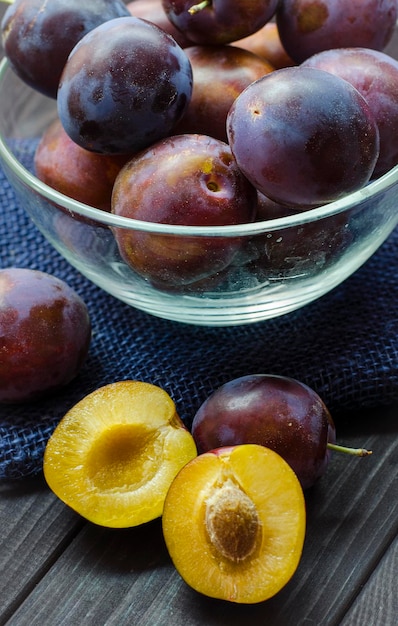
(220, 74)
(191, 180)
(303, 136)
(38, 35)
(77, 173)
(45, 334)
(125, 85)
(310, 26)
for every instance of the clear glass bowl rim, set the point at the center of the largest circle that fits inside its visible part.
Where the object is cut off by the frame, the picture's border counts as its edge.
(349, 201)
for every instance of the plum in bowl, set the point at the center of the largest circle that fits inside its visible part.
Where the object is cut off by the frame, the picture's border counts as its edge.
(215, 275)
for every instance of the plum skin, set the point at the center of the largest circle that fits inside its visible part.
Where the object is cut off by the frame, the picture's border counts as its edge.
(125, 85)
(303, 136)
(375, 75)
(190, 180)
(38, 35)
(222, 21)
(278, 412)
(307, 27)
(220, 74)
(45, 333)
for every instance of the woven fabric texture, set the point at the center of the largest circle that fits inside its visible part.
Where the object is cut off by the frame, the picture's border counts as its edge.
(345, 345)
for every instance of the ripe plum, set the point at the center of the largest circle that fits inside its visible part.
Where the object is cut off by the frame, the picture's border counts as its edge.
(186, 179)
(375, 75)
(219, 21)
(307, 27)
(220, 74)
(85, 176)
(45, 333)
(125, 85)
(274, 411)
(153, 11)
(38, 36)
(303, 136)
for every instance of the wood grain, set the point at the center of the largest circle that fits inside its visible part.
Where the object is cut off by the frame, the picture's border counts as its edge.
(96, 576)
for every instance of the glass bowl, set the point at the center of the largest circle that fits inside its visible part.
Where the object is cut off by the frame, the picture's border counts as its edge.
(278, 265)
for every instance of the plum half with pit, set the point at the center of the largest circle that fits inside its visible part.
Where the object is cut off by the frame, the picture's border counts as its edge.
(125, 85)
(219, 21)
(303, 136)
(307, 27)
(45, 334)
(188, 180)
(38, 35)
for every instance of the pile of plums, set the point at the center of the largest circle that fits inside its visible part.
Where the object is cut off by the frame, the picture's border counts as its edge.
(215, 110)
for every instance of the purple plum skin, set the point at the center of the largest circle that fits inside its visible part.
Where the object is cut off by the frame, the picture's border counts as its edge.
(125, 85)
(38, 35)
(223, 21)
(274, 411)
(191, 180)
(45, 333)
(375, 75)
(307, 27)
(303, 136)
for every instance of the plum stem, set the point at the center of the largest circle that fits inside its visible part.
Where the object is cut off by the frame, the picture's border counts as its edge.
(196, 8)
(346, 450)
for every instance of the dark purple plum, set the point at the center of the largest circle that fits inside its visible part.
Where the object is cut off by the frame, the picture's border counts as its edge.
(125, 85)
(219, 21)
(38, 35)
(45, 333)
(274, 411)
(190, 180)
(307, 27)
(303, 136)
(375, 75)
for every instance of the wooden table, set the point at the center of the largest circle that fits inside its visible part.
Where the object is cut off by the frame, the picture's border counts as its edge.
(56, 569)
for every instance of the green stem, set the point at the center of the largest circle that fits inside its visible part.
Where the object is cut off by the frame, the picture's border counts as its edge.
(346, 450)
(196, 8)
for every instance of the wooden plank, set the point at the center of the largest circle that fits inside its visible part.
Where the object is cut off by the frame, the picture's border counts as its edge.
(34, 529)
(378, 601)
(125, 577)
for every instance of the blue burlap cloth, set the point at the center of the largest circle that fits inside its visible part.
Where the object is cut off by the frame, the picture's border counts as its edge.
(345, 345)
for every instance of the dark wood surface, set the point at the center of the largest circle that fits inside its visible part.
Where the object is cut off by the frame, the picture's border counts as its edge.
(57, 569)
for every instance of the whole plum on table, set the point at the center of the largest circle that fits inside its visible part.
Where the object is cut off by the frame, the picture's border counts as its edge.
(125, 85)
(38, 35)
(307, 27)
(219, 21)
(190, 180)
(45, 333)
(277, 412)
(220, 74)
(303, 136)
(375, 75)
